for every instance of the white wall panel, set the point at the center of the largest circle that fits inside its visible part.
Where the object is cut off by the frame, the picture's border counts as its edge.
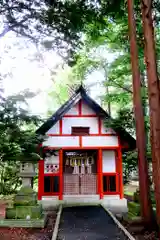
(54, 129)
(86, 109)
(68, 123)
(108, 161)
(60, 141)
(98, 141)
(106, 130)
(73, 111)
(53, 159)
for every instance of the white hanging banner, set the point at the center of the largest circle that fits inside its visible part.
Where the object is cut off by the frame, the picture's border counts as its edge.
(82, 168)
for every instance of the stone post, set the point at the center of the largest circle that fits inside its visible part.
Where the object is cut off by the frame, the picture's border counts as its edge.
(27, 172)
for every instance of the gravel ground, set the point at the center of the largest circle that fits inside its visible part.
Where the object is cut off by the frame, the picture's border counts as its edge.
(30, 233)
(91, 223)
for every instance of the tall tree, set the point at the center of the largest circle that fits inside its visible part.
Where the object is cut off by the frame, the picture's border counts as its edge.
(144, 186)
(154, 96)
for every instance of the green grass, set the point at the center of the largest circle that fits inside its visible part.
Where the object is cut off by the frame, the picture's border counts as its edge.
(129, 193)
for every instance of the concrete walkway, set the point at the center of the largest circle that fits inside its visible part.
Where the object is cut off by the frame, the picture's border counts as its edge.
(90, 222)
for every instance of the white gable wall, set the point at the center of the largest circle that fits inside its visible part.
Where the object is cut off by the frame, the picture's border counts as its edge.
(68, 123)
(80, 121)
(54, 129)
(86, 110)
(60, 141)
(100, 141)
(74, 110)
(108, 161)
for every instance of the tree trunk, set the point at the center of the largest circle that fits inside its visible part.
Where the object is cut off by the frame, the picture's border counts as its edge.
(146, 210)
(154, 96)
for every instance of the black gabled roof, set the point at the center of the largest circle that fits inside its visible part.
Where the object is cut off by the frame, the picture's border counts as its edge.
(80, 93)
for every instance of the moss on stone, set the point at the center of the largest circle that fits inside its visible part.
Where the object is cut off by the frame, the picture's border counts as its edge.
(25, 197)
(21, 212)
(25, 204)
(10, 213)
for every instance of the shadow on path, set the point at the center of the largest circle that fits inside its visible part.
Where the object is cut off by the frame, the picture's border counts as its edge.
(89, 222)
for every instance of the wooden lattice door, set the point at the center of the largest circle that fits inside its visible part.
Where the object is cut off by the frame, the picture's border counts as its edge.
(79, 174)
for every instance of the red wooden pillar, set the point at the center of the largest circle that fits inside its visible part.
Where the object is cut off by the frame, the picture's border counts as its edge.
(117, 171)
(120, 171)
(40, 179)
(60, 174)
(80, 107)
(100, 175)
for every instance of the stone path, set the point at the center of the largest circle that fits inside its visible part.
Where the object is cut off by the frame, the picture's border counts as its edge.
(90, 222)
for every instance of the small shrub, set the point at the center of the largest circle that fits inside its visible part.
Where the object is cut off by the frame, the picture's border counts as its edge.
(134, 208)
(136, 197)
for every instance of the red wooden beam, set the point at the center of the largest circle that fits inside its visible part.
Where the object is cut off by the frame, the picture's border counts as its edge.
(40, 179)
(100, 175)
(99, 126)
(80, 116)
(60, 174)
(92, 134)
(60, 127)
(85, 148)
(120, 171)
(80, 141)
(80, 108)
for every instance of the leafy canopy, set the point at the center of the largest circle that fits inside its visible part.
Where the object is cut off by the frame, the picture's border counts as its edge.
(18, 140)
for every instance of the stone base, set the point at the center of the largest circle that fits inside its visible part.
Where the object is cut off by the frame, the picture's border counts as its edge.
(22, 212)
(25, 196)
(112, 202)
(115, 204)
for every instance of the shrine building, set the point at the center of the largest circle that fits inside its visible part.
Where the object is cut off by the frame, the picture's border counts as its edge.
(82, 160)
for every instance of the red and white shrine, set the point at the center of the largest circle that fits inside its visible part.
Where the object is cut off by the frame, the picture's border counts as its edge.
(82, 157)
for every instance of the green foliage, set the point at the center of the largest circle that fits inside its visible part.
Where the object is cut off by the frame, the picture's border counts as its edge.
(9, 179)
(18, 141)
(17, 136)
(134, 208)
(125, 118)
(57, 24)
(137, 197)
